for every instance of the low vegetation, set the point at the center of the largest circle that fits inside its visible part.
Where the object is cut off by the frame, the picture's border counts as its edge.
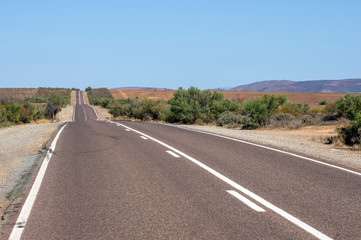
(46, 103)
(193, 106)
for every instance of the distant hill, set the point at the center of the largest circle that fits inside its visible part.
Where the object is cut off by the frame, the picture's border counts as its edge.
(316, 86)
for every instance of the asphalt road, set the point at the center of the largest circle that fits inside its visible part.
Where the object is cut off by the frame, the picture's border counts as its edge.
(134, 180)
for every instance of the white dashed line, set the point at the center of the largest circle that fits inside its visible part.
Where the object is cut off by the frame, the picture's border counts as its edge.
(173, 154)
(246, 201)
(242, 189)
(144, 137)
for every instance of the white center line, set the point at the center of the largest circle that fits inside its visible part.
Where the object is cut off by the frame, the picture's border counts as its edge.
(173, 154)
(246, 201)
(244, 190)
(84, 112)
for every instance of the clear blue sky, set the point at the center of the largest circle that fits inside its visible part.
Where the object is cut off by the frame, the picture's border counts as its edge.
(173, 43)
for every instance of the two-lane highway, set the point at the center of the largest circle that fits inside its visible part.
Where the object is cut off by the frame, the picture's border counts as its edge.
(135, 180)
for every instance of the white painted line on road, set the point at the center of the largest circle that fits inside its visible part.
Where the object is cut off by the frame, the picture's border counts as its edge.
(84, 112)
(127, 129)
(245, 191)
(246, 201)
(74, 108)
(144, 137)
(95, 112)
(25, 211)
(173, 154)
(270, 148)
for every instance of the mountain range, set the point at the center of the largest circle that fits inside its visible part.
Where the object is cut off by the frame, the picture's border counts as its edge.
(315, 86)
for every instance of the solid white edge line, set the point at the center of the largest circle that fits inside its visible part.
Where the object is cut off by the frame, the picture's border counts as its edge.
(74, 109)
(95, 112)
(269, 148)
(246, 201)
(173, 154)
(30, 200)
(247, 192)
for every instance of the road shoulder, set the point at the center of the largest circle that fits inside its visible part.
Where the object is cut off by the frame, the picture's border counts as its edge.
(303, 143)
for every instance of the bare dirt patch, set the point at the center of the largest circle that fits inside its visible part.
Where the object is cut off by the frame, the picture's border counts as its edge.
(133, 94)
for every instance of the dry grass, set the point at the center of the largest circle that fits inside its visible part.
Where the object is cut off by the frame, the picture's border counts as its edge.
(133, 94)
(312, 99)
(17, 93)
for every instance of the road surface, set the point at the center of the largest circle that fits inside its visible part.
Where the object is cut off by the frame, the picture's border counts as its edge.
(135, 180)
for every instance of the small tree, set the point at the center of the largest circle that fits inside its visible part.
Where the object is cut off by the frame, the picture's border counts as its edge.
(260, 111)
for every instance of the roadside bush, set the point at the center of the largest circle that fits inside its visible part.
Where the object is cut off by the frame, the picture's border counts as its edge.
(3, 116)
(323, 102)
(351, 134)
(189, 106)
(348, 107)
(54, 105)
(229, 118)
(294, 108)
(12, 112)
(261, 111)
(26, 113)
(39, 112)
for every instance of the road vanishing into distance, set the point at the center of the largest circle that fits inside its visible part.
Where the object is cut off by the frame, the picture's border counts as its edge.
(137, 180)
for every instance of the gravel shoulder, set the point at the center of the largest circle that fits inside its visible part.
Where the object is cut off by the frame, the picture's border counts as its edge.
(102, 113)
(21, 149)
(306, 141)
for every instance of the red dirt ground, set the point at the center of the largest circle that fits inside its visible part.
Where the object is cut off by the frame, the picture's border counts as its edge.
(312, 99)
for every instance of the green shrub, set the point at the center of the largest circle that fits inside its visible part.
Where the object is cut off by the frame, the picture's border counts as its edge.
(189, 106)
(26, 113)
(261, 111)
(323, 102)
(351, 134)
(12, 111)
(38, 112)
(348, 107)
(88, 89)
(228, 118)
(294, 108)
